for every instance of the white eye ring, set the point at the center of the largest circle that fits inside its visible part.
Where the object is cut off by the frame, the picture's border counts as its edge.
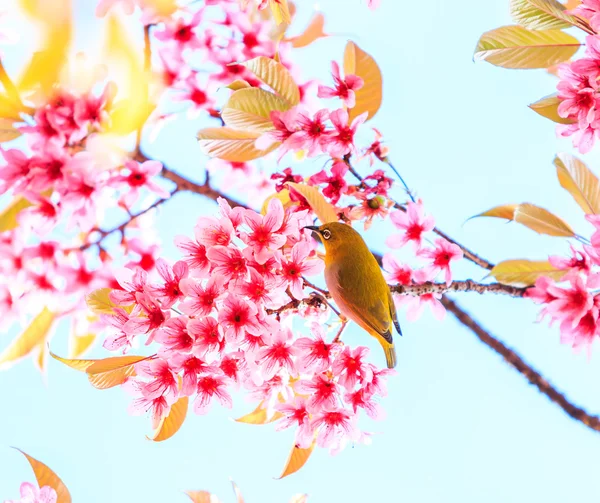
(326, 233)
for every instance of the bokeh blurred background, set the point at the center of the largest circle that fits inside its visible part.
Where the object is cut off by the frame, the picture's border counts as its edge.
(461, 425)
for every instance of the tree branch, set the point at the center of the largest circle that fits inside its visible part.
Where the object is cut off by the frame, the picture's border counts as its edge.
(515, 361)
(467, 285)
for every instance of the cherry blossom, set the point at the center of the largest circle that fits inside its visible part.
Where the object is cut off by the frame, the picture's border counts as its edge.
(344, 88)
(33, 494)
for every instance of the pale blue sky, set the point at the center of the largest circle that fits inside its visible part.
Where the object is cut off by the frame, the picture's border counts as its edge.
(461, 426)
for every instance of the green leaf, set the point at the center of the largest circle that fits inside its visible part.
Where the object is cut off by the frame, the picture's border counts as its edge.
(518, 47)
(541, 14)
(548, 107)
(576, 178)
(250, 109)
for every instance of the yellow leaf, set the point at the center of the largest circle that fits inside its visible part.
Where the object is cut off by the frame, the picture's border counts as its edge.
(161, 8)
(238, 84)
(79, 344)
(571, 4)
(202, 497)
(99, 301)
(281, 11)
(541, 14)
(296, 460)
(576, 178)
(8, 217)
(276, 76)
(250, 109)
(170, 425)
(548, 107)
(542, 221)
(259, 416)
(283, 195)
(231, 144)
(504, 211)
(34, 335)
(368, 98)
(80, 365)
(126, 63)
(518, 47)
(56, 33)
(110, 372)
(7, 130)
(9, 109)
(323, 209)
(46, 477)
(524, 272)
(313, 31)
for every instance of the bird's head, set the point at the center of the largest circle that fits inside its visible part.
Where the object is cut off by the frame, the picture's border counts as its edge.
(337, 237)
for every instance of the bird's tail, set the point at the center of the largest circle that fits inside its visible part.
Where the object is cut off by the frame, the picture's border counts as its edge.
(390, 354)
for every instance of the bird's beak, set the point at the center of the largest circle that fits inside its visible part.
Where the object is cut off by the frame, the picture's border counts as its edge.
(312, 228)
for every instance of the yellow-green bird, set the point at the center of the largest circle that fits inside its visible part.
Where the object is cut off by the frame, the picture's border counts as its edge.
(357, 285)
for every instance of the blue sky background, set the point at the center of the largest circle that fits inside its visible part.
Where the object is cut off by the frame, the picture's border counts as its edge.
(461, 425)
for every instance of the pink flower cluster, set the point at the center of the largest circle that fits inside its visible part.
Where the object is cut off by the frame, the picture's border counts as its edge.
(414, 226)
(573, 301)
(33, 494)
(221, 318)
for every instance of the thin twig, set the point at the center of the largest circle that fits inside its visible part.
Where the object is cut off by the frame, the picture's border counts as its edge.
(408, 191)
(515, 361)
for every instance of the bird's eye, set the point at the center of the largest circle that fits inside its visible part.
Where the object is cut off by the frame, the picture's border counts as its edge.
(326, 233)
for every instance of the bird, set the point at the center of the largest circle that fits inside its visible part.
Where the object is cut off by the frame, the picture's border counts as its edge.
(356, 284)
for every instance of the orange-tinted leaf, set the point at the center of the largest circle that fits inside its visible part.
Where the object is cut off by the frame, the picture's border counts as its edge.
(8, 216)
(34, 335)
(541, 14)
(320, 206)
(276, 76)
(8, 131)
(238, 494)
(548, 107)
(46, 477)
(518, 47)
(202, 497)
(110, 372)
(132, 107)
(238, 84)
(9, 109)
(170, 425)
(296, 460)
(259, 416)
(542, 221)
(77, 364)
(41, 357)
(524, 272)
(283, 195)
(314, 31)
(576, 178)
(250, 109)
(99, 301)
(368, 98)
(79, 344)
(231, 144)
(571, 4)
(504, 211)
(281, 11)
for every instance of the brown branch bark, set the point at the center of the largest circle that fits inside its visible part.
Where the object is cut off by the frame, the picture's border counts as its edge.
(515, 361)
(467, 285)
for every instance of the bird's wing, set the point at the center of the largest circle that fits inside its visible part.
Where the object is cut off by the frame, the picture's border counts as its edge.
(393, 314)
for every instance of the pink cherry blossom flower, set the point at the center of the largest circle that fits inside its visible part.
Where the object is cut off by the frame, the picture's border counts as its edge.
(312, 134)
(296, 414)
(237, 318)
(590, 10)
(137, 176)
(174, 336)
(264, 236)
(396, 272)
(344, 88)
(153, 317)
(416, 305)
(128, 6)
(336, 184)
(313, 355)
(117, 338)
(369, 208)
(572, 303)
(131, 281)
(182, 33)
(162, 381)
(32, 494)
(15, 173)
(209, 387)
(441, 256)
(201, 300)
(170, 291)
(341, 142)
(194, 90)
(285, 124)
(361, 399)
(191, 367)
(413, 223)
(260, 290)
(211, 231)
(322, 390)
(227, 262)
(277, 354)
(158, 407)
(194, 255)
(351, 368)
(298, 265)
(208, 335)
(334, 427)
